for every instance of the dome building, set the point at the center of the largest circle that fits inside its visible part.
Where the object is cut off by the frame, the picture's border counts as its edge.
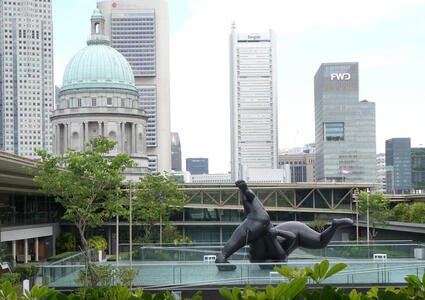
(99, 97)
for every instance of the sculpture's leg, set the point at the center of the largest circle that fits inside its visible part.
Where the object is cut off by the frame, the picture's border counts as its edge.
(309, 238)
(247, 232)
(273, 243)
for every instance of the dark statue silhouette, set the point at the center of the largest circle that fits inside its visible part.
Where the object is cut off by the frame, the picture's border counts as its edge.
(270, 243)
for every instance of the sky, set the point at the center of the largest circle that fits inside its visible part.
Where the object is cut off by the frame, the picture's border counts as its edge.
(386, 37)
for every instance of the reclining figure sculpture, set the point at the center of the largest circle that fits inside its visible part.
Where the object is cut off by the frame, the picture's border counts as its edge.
(270, 243)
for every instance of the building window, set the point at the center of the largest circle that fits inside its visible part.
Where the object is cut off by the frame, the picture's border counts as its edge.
(79, 102)
(93, 101)
(108, 101)
(334, 131)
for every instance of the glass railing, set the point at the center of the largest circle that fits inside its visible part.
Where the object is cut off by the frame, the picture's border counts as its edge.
(196, 251)
(161, 274)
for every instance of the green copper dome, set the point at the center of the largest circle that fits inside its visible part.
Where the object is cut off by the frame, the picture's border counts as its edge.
(98, 67)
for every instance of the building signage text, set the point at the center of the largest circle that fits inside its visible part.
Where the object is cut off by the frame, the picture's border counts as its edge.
(340, 76)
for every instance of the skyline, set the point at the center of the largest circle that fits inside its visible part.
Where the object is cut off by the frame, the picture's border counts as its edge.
(386, 39)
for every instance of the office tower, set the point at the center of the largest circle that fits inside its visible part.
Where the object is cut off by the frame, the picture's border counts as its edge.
(57, 92)
(380, 173)
(398, 166)
(344, 127)
(253, 102)
(139, 31)
(418, 169)
(302, 166)
(176, 152)
(26, 68)
(197, 165)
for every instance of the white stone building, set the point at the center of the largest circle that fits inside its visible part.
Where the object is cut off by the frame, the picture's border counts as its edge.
(99, 97)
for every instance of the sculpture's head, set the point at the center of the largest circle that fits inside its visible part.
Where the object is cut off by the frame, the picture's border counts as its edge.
(241, 184)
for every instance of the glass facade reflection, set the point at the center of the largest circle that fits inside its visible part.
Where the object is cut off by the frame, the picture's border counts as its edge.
(344, 126)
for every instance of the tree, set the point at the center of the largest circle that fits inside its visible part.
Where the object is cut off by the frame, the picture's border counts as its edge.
(378, 209)
(418, 212)
(87, 184)
(155, 195)
(401, 212)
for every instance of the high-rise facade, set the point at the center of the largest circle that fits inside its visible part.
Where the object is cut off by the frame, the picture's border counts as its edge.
(197, 166)
(381, 178)
(26, 68)
(302, 166)
(253, 102)
(344, 126)
(418, 169)
(176, 152)
(398, 166)
(139, 31)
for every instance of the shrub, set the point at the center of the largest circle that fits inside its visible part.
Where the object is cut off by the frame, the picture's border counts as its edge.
(13, 278)
(418, 212)
(318, 225)
(98, 242)
(27, 270)
(401, 212)
(65, 242)
(61, 256)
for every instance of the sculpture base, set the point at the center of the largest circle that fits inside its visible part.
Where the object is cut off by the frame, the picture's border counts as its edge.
(226, 267)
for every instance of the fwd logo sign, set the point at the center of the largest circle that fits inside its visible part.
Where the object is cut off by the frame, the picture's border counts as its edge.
(340, 76)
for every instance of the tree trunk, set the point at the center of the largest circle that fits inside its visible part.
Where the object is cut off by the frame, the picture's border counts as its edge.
(89, 262)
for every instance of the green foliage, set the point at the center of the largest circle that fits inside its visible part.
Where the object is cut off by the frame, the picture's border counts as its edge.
(102, 275)
(155, 195)
(284, 291)
(61, 256)
(27, 270)
(125, 276)
(378, 209)
(401, 212)
(291, 273)
(10, 277)
(318, 225)
(87, 184)
(66, 242)
(7, 291)
(418, 212)
(98, 242)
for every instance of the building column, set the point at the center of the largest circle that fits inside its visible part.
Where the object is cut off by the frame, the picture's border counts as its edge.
(36, 249)
(14, 250)
(66, 138)
(133, 138)
(81, 137)
(122, 129)
(86, 129)
(221, 234)
(25, 250)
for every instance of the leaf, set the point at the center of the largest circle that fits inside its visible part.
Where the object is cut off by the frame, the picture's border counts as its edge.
(335, 269)
(270, 292)
(414, 281)
(324, 266)
(295, 287)
(225, 292)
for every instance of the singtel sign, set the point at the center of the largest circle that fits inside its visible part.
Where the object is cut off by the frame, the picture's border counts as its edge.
(340, 76)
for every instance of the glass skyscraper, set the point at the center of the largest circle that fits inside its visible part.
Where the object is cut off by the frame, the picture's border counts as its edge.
(253, 106)
(344, 126)
(398, 166)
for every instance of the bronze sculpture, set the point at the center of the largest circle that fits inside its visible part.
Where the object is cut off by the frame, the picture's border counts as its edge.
(270, 243)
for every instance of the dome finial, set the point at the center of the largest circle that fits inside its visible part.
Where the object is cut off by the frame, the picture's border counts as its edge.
(98, 29)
